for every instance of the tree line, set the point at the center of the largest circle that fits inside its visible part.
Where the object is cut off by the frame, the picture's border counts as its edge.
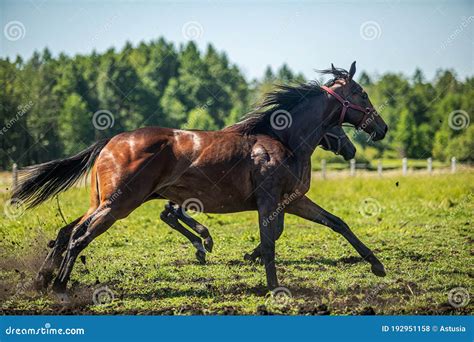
(53, 107)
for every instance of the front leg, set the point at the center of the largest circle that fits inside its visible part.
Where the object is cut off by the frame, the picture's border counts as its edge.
(268, 229)
(309, 210)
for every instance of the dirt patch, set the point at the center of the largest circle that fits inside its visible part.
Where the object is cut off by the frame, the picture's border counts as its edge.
(19, 271)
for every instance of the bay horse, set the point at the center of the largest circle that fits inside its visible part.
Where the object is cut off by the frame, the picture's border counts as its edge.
(252, 165)
(173, 215)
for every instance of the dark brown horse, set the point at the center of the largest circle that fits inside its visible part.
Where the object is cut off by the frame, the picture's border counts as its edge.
(256, 164)
(334, 140)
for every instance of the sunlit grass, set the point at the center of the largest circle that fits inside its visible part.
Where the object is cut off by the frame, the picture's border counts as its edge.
(423, 234)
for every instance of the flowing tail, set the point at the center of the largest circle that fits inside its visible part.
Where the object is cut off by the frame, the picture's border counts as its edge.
(37, 183)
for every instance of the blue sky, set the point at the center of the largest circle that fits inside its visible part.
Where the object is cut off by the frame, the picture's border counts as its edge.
(382, 36)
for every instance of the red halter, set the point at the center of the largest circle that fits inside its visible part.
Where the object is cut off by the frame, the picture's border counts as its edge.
(346, 105)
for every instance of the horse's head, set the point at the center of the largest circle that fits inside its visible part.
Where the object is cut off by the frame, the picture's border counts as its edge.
(357, 109)
(336, 140)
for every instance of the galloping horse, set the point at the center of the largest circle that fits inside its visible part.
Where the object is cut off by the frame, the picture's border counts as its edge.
(251, 165)
(334, 140)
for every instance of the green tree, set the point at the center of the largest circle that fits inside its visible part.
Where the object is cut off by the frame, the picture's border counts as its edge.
(199, 118)
(364, 79)
(51, 100)
(405, 135)
(462, 146)
(75, 125)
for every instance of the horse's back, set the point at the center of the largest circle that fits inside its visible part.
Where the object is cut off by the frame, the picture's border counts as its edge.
(172, 162)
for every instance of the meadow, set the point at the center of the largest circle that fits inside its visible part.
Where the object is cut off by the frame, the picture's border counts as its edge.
(419, 226)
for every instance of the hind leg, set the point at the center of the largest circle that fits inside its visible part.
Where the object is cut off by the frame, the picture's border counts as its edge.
(88, 229)
(54, 257)
(169, 217)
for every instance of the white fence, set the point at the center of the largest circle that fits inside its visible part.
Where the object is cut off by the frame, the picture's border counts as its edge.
(353, 167)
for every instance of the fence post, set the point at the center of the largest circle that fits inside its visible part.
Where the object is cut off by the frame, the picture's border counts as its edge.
(323, 168)
(14, 176)
(379, 168)
(430, 165)
(353, 167)
(404, 166)
(453, 164)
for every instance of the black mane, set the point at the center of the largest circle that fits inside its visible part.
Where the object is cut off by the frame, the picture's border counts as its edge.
(285, 98)
(336, 73)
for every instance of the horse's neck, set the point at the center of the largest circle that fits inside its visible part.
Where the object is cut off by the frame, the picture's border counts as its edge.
(306, 131)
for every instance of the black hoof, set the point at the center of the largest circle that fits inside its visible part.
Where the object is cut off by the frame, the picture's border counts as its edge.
(252, 258)
(378, 270)
(377, 267)
(248, 257)
(208, 244)
(201, 257)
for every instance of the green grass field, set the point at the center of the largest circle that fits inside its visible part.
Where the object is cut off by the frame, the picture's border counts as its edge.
(423, 234)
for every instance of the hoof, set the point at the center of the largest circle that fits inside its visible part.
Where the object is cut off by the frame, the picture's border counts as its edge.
(208, 244)
(201, 257)
(252, 258)
(378, 270)
(377, 267)
(248, 257)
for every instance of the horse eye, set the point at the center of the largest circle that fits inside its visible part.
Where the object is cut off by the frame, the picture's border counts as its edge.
(364, 95)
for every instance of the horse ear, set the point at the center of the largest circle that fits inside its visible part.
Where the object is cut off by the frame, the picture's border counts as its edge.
(352, 70)
(333, 68)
